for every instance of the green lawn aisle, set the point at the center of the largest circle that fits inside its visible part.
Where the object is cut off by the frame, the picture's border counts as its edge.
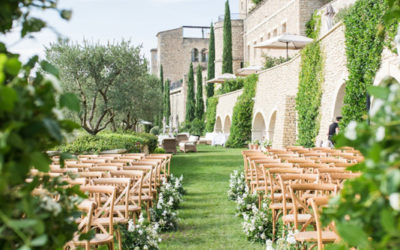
(207, 217)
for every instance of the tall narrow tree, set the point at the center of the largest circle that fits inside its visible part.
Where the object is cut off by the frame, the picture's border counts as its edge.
(199, 95)
(227, 51)
(167, 104)
(162, 78)
(161, 114)
(190, 101)
(211, 63)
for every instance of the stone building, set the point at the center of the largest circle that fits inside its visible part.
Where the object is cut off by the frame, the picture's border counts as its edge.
(176, 49)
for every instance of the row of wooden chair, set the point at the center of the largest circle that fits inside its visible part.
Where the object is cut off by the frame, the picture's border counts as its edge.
(298, 182)
(117, 186)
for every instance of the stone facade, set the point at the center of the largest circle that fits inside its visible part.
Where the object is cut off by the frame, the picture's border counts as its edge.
(225, 106)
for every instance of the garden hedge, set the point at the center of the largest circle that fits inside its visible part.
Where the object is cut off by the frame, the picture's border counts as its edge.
(211, 113)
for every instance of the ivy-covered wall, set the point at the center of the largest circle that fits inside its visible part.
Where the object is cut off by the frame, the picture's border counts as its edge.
(211, 113)
(308, 100)
(242, 114)
(364, 46)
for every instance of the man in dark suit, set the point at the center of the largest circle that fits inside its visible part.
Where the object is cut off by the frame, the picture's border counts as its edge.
(334, 129)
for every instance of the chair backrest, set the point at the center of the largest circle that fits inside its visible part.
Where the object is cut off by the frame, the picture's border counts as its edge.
(297, 160)
(103, 169)
(137, 177)
(316, 204)
(331, 170)
(339, 178)
(312, 165)
(104, 197)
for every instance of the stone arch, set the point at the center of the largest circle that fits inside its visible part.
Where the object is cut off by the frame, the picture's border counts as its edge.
(259, 128)
(218, 125)
(339, 101)
(195, 55)
(227, 125)
(204, 56)
(271, 126)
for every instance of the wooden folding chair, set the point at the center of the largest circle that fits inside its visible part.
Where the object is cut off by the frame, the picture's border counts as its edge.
(322, 235)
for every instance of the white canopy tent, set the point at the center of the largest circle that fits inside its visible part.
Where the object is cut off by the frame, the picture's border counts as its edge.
(285, 41)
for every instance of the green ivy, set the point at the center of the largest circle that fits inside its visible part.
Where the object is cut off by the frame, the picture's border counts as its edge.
(313, 26)
(309, 94)
(230, 85)
(242, 114)
(364, 46)
(211, 113)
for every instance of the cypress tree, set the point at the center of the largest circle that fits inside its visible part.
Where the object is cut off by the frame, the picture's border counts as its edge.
(199, 95)
(160, 116)
(227, 52)
(190, 101)
(162, 78)
(167, 104)
(211, 63)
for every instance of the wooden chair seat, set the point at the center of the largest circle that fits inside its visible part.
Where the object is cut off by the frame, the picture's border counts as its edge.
(98, 239)
(327, 236)
(280, 205)
(131, 208)
(302, 218)
(106, 221)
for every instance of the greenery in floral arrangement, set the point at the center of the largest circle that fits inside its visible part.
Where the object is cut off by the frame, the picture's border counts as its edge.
(163, 214)
(364, 46)
(245, 203)
(177, 183)
(367, 210)
(257, 224)
(211, 113)
(140, 236)
(170, 193)
(242, 114)
(237, 185)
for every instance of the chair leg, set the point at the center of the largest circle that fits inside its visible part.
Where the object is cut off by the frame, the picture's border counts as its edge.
(148, 211)
(273, 224)
(119, 239)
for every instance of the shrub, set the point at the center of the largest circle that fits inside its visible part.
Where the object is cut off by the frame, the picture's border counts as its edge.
(197, 127)
(140, 236)
(155, 130)
(230, 85)
(270, 61)
(242, 114)
(211, 113)
(149, 139)
(159, 151)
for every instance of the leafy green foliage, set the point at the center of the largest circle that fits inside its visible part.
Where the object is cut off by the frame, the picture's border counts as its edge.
(242, 114)
(159, 151)
(211, 113)
(308, 98)
(367, 211)
(155, 130)
(211, 63)
(364, 45)
(130, 141)
(199, 95)
(313, 26)
(270, 61)
(190, 101)
(167, 103)
(231, 85)
(257, 1)
(227, 58)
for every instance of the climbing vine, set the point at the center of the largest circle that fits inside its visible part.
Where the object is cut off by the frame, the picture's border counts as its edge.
(311, 77)
(242, 114)
(211, 113)
(364, 45)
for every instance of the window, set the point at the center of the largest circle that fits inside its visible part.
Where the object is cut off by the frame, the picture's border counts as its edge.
(269, 36)
(275, 32)
(284, 28)
(204, 56)
(248, 53)
(261, 39)
(195, 55)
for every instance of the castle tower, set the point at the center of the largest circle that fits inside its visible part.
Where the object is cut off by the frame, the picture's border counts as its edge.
(154, 62)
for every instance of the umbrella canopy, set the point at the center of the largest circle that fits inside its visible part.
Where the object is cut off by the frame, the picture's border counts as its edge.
(285, 41)
(222, 78)
(248, 70)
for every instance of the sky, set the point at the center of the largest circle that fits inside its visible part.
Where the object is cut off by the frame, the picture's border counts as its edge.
(114, 20)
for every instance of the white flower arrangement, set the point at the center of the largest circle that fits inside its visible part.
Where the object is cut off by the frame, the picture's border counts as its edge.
(140, 236)
(257, 223)
(237, 185)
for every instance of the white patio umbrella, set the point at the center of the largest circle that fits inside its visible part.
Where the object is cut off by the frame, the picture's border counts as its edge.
(248, 70)
(285, 41)
(222, 78)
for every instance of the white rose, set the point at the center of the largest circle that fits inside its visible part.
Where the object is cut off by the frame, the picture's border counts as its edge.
(376, 105)
(394, 200)
(380, 133)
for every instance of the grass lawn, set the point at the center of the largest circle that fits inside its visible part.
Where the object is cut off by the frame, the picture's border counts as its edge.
(207, 217)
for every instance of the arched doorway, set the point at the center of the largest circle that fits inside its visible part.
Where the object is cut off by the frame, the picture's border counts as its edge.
(259, 129)
(227, 125)
(218, 125)
(271, 127)
(339, 101)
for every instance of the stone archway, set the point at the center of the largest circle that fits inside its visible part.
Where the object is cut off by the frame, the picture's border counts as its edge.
(227, 125)
(339, 101)
(259, 128)
(218, 125)
(271, 126)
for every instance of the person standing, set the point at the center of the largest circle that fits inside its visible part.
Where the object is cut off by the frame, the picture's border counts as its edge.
(334, 129)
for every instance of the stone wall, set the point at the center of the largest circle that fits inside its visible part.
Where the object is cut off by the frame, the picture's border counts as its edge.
(154, 63)
(275, 91)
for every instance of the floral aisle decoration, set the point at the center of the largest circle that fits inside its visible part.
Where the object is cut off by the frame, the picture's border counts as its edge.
(237, 185)
(140, 236)
(257, 224)
(169, 198)
(245, 203)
